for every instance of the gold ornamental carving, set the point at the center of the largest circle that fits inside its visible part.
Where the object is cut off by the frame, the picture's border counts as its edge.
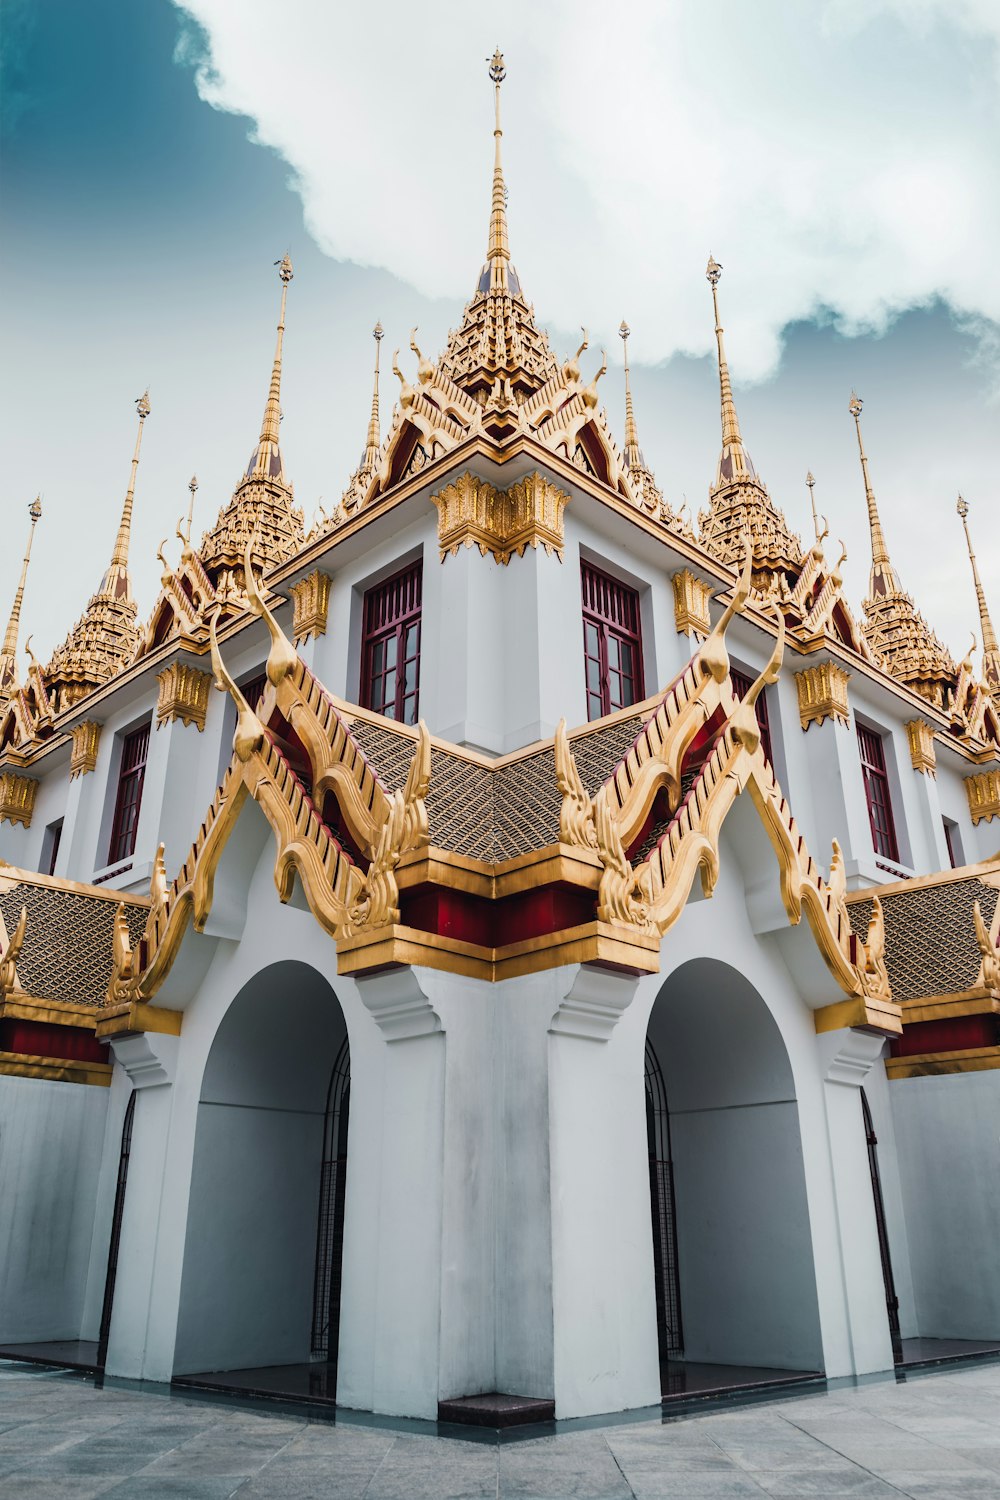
(17, 798)
(983, 792)
(823, 694)
(691, 598)
(472, 512)
(920, 738)
(311, 600)
(183, 695)
(86, 743)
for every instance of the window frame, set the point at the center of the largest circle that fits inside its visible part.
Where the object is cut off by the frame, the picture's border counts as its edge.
(610, 626)
(125, 820)
(953, 842)
(742, 683)
(397, 621)
(875, 779)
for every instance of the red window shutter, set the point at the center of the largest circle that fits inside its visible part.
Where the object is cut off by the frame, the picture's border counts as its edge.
(877, 793)
(131, 775)
(390, 649)
(612, 643)
(741, 686)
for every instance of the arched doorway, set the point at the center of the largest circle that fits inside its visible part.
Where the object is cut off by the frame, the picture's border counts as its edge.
(273, 1104)
(732, 1244)
(332, 1199)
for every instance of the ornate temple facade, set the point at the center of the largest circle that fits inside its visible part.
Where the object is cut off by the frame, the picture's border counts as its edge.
(501, 942)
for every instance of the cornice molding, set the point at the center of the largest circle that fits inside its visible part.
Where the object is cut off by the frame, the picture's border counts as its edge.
(822, 693)
(183, 694)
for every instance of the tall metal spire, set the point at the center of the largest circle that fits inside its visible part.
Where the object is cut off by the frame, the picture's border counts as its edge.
(116, 579)
(374, 442)
(991, 650)
(498, 252)
(633, 456)
(8, 655)
(883, 578)
(272, 411)
(732, 440)
(811, 484)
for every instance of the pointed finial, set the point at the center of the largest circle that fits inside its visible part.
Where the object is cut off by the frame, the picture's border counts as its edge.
(731, 436)
(882, 579)
(991, 651)
(374, 442)
(811, 483)
(498, 253)
(633, 456)
(272, 410)
(8, 655)
(116, 580)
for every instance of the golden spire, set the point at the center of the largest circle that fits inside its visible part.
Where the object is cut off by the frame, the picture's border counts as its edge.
(116, 579)
(883, 579)
(272, 411)
(991, 651)
(8, 655)
(732, 441)
(633, 457)
(498, 253)
(374, 442)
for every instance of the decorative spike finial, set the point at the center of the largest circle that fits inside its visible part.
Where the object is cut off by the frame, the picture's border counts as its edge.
(883, 578)
(374, 442)
(116, 579)
(272, 410)
(731, 436)
(991, 651)
(633, 456)
(498, 253)
(8, 655)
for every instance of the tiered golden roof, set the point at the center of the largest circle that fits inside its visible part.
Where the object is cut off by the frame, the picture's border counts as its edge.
(105, 638)
(261, 511)
(738, 501)
(897, 633)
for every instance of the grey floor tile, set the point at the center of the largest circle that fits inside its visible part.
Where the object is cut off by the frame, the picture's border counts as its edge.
(142, 1487)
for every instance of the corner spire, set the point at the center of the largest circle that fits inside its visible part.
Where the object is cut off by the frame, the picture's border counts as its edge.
(633, 456)
(991, 651)
(8, 654)
(498, 252)
(272, 410)
(374, 442)
(735, 459)
(116, 579)
(811, 486)
(883, 579)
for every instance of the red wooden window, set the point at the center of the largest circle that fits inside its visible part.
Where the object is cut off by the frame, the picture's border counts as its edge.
(390, 651)
(877, 793)
(741, 686)
(53, 838)
(253, 690)
(953, 841)
(131, 775)
(612, 643)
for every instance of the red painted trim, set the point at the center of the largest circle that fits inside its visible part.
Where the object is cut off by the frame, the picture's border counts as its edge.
(42, 1039)
(494, 924)
(959, 1034)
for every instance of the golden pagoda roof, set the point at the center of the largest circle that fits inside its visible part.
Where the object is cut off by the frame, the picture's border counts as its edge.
(106, 636)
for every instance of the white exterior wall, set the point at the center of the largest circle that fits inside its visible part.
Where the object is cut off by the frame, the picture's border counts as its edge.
(51, 1144)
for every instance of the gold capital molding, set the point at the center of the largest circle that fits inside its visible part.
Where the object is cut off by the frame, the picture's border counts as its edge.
(823, 694)
(183, 695)
(17, 798)
(920, 738)
(86, 742)
(691, 596)
(983, 792)
(472, 512)
(311, 599)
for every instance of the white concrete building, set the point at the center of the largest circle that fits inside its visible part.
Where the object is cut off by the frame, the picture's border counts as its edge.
(363, 1032)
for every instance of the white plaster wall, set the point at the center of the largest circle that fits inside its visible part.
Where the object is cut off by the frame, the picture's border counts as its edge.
(51, 1140)
(947, 1132)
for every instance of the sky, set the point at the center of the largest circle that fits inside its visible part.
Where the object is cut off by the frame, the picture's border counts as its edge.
(841, 159)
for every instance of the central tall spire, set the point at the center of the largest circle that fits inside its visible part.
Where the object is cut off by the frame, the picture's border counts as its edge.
(374, 441)
(991, 651)
(633, 455)
(734, 460)
(267, 448)
(116, 580)
(883, 578)
(498, 253)
(8, 654)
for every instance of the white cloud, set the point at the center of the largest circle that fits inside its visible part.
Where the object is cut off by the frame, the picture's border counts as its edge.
(838, 157)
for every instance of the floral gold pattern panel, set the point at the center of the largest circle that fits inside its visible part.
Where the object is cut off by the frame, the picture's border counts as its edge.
(17, 798)
(983, 792)
(823, 694)
(920, 738)
(691, 597)
(474, 513)
(86, 743)
(183, 695)
(311, 599)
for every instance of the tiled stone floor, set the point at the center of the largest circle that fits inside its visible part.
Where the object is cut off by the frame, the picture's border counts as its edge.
(935, 1437)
